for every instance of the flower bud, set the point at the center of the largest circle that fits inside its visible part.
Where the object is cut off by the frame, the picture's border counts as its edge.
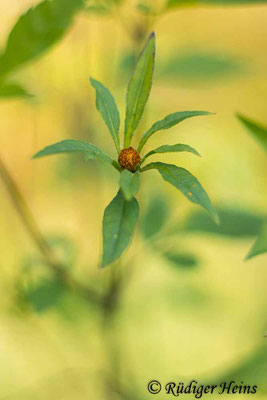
(129, 159)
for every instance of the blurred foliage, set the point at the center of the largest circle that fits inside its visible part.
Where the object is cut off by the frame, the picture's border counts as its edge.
(155, 226)
(260, 245)
(64, 248)
(257, 131)
(183, 260)
(252, 370)
(200, 66)
(260, 134)
(233, 222)
(38, 286)
(102, 7)
(33, 34)
(183, 3)
(144, 8)
(37, 30)
(158, 206)
(193, 68)
(10, 90)
(44, 295)
(97, 9)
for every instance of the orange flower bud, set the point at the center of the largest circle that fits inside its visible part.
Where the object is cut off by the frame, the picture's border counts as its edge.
(129, 159)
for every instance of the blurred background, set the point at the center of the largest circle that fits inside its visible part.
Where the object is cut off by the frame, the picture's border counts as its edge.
(192, 308)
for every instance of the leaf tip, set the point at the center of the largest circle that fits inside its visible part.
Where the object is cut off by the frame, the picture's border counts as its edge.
(240, 116)
(209, 113)
(250, 254)
(216, 217)
(36, 155)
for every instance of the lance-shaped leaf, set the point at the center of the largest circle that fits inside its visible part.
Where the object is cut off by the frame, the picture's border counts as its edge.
(129, 183)
(186, 183)
(260, 246)
(72, 146)
(175, 148)
(199, 3)
(106, 105)
(182, 260)
(37, 30)
(12, 90)
(168, 122)
(234, 223)
(119, 221)
(200, 66)
(139, 89)
(258, 132)
(158, 205)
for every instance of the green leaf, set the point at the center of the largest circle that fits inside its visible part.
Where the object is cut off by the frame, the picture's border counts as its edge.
(171, 149)
(72, 146)
(97, 9)
(139, 89)
(200, 67)
(183, 3)
(252, 370)
(258, 132)
(45, 295)
(11, 90)
(186, 183)
(260, 246)
(129, 183)
(155, 216)
(119, 221)
(36, 31)
(144, 8)
(168, 122)
(184, 260)
(234, 223)
(106, 105)
(64, 249)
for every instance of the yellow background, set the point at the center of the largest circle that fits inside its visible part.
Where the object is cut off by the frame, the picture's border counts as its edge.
(172, 325)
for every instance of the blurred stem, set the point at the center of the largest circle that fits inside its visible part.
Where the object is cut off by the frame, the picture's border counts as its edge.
(37, 237)
(111, 305)
(139, 30)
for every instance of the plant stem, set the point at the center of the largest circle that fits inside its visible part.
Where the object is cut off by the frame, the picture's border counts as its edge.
(37, 237)
(111, 305)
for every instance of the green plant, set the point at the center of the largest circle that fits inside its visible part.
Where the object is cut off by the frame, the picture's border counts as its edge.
(121, 214)
(33, 34)
(260, 134)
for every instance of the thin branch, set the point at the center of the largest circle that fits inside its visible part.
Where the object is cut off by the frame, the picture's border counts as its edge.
(40, 241)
